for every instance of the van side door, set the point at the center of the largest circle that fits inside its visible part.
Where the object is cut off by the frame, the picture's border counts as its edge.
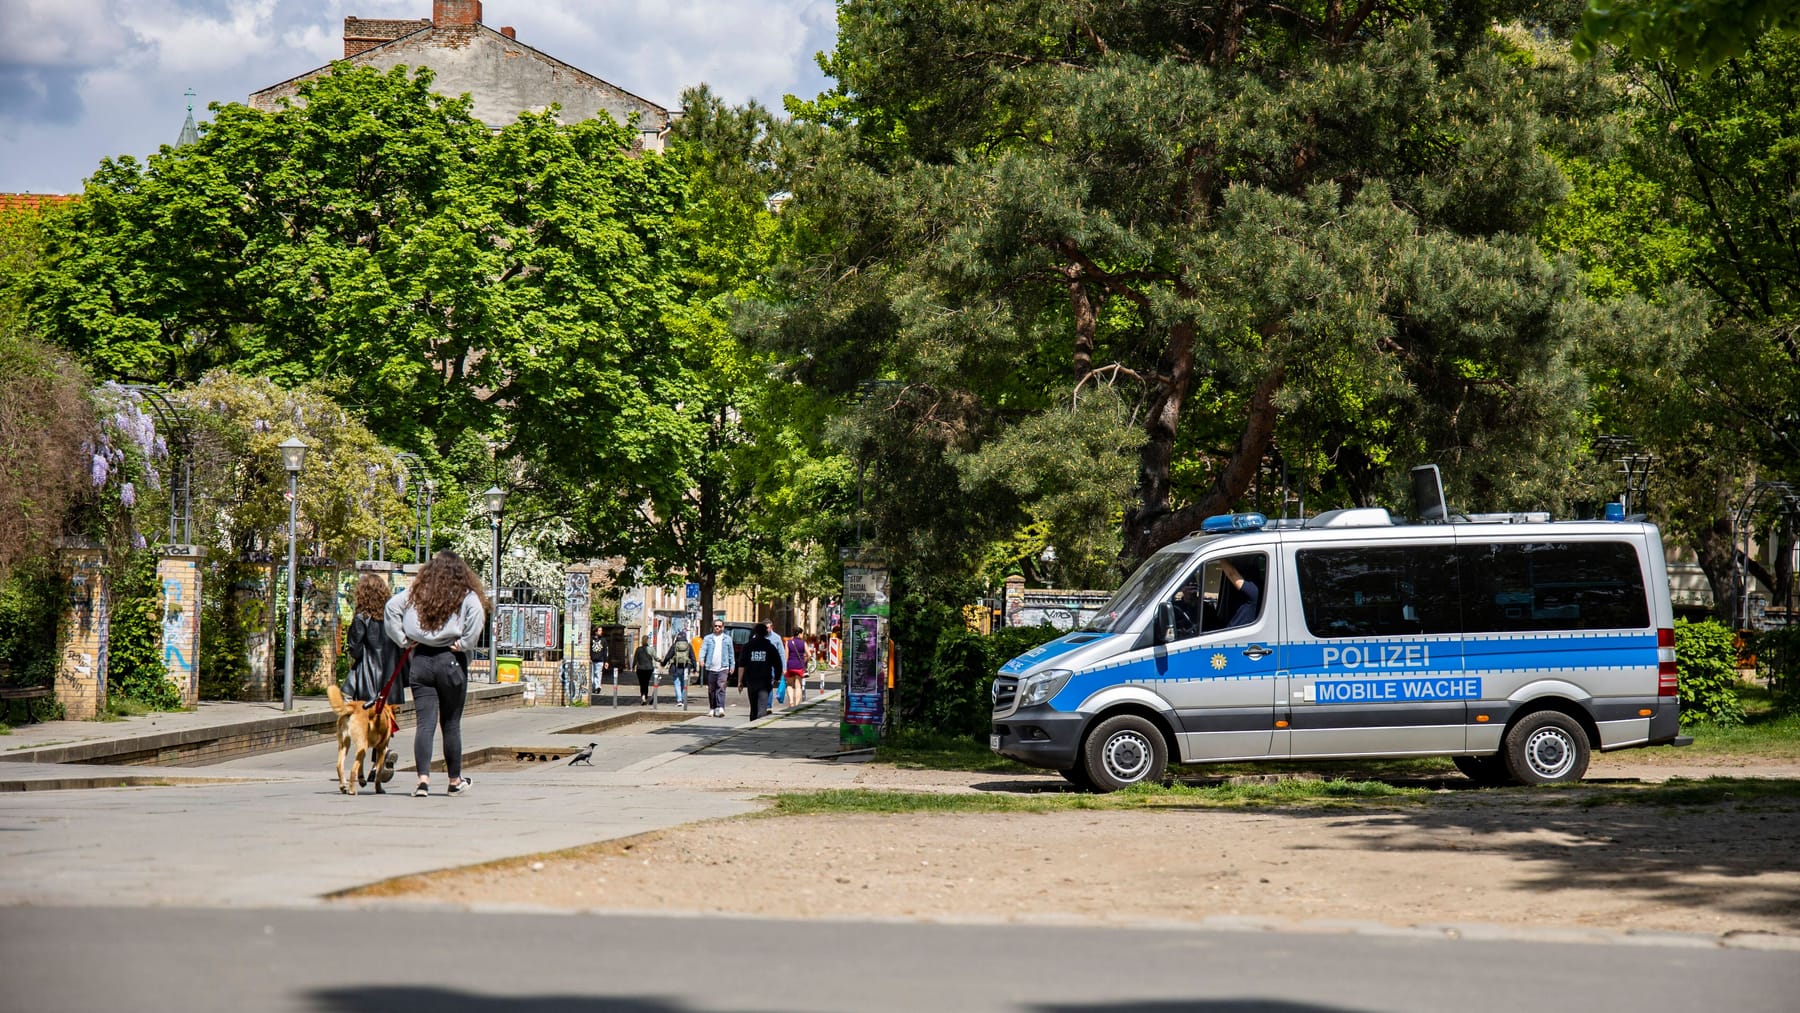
(1375, 663)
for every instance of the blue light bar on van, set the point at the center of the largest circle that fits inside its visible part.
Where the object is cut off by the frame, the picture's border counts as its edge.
(1615, 511)
(1233, 522)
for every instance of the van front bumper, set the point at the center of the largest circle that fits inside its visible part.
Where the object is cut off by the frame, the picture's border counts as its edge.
(1040, 737)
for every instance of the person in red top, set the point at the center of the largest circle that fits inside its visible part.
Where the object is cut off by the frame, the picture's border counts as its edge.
(796, 668)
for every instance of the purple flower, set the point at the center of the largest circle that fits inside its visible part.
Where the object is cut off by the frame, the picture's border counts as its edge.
(128, 495)
(100, 470)
(137, 541)
(160, 447)
(260, 426)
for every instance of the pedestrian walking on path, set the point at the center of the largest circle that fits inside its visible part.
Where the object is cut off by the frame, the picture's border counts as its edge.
(371, 653)
(442, 616)
(796, 669)
(717, 658)
(644, 661)
(759, 665)
(679, 657)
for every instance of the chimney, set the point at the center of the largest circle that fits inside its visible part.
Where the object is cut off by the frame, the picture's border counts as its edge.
(364, 34)
(449, 13)
(509, 33)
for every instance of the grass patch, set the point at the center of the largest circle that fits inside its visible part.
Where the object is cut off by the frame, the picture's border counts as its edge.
(120, 707)
(912, 749)
(1764, 733)
(1226, 796)
(1749, 792)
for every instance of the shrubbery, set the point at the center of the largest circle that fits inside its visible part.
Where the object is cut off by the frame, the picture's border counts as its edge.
(134, 667)
(1706, 653)
(949, 692)
(1778, 663)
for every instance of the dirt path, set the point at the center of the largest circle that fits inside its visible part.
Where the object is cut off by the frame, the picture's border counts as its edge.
(1515, 859)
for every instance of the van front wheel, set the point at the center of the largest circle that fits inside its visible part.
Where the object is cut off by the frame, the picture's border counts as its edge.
(1548, 747)
(1124, 750)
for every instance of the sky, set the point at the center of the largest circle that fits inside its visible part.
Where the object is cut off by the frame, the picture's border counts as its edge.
(81, 80)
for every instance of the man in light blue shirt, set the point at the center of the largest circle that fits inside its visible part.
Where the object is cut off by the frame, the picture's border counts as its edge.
(718, 656)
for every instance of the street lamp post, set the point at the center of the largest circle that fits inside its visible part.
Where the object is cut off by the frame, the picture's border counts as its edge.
(495, 499)
(293, 456)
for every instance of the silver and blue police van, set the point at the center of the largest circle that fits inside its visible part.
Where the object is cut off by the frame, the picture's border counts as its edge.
(1511, 643)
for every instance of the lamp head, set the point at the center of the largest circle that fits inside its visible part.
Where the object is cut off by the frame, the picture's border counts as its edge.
(495, 499)
(293, 454)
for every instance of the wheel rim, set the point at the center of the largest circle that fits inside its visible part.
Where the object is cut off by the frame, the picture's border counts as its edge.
(1550, 753)
(1127, 756)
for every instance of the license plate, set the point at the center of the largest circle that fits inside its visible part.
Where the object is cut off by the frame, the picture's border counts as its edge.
(993, 742)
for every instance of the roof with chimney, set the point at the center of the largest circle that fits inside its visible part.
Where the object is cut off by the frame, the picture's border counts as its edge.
(502, 76)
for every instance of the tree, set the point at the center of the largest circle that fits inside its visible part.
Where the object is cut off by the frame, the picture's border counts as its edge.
(464, 289)
(1692, 34)
(1295, 226)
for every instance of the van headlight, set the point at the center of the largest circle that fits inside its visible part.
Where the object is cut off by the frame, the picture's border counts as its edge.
(1036, 689)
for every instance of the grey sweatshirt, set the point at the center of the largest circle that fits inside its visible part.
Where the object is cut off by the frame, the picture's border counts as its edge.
(466, 624)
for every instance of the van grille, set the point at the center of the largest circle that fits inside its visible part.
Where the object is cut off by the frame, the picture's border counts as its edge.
(1006, 694)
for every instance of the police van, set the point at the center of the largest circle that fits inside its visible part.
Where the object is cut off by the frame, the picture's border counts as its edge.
(1513, 644)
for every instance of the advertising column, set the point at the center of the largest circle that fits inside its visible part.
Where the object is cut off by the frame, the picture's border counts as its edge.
(865, 638)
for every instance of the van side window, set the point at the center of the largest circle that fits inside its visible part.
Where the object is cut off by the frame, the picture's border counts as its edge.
(1221, 595)
(1547, 586)
(1379, 591)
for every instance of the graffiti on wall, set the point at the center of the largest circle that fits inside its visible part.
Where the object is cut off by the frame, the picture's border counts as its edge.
(177, 631)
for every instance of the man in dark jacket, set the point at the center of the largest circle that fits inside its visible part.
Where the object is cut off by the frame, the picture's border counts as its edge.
(759, 665)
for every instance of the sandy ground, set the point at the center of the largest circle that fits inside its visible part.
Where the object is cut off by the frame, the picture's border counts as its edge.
(1539, 860)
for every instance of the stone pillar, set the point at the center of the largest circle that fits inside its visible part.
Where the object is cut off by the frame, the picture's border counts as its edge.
(81, 632)
(1015, 601)
(578, 624)
(317, 623)
(178, 575)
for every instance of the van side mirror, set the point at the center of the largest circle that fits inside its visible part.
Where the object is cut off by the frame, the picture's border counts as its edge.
(1165, 623)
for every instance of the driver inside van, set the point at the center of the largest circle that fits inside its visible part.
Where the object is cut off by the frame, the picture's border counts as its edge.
(1249, 596)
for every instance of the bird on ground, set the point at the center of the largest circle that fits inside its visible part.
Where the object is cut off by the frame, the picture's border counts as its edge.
(584, 756)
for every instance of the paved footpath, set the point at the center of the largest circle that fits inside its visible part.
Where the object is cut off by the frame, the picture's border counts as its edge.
(273, 830)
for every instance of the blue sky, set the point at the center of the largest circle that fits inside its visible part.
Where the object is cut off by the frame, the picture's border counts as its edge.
(84, 79)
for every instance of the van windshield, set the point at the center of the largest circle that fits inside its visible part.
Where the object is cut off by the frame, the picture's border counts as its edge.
(1142, 591)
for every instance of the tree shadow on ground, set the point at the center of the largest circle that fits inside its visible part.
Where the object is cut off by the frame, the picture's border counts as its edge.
(1723, 844)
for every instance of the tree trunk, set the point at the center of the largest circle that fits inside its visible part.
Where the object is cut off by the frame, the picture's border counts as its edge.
(1717, 556)
(1153, 525)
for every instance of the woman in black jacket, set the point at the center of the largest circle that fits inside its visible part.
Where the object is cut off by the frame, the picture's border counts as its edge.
(371, 653)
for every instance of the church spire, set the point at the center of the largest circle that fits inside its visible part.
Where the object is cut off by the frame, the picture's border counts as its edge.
(189, 132)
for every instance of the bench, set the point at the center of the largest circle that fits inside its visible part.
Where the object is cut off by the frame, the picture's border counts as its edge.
(10, 694)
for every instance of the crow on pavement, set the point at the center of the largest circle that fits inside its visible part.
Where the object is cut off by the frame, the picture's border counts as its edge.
(584, 756)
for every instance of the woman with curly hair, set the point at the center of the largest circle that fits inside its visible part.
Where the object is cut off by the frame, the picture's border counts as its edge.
(371, 654)
(442, 617)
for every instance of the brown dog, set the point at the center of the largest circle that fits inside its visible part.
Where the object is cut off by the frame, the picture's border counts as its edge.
(361, 729)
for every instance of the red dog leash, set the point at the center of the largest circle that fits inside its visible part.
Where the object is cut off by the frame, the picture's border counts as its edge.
(381, 698)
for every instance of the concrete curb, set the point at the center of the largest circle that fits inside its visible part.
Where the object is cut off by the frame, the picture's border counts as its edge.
(215, 743)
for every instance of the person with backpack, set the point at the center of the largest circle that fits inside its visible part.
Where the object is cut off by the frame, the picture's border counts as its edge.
(679, 658)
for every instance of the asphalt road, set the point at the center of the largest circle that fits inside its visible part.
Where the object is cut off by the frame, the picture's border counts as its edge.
(359, 960)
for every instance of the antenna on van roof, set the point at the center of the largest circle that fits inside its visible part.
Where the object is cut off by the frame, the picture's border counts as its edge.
(1428, 495)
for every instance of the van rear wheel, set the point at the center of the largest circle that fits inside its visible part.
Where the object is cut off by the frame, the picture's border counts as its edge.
(1122, 751)
(1487, 771)
(1548, 747)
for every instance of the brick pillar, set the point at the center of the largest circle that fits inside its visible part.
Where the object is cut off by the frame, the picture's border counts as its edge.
(445, 13)
(1015, 600)
(178, 574)
(81, 631)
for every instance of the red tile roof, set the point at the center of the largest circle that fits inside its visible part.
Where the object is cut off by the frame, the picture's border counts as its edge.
(10, 202)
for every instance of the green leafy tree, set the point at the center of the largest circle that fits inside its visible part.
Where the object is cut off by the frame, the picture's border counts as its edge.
(1696, 34)
(465, 289)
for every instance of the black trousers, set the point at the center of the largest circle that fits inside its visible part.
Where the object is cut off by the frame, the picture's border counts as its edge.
(439, 678)
(759, 698)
